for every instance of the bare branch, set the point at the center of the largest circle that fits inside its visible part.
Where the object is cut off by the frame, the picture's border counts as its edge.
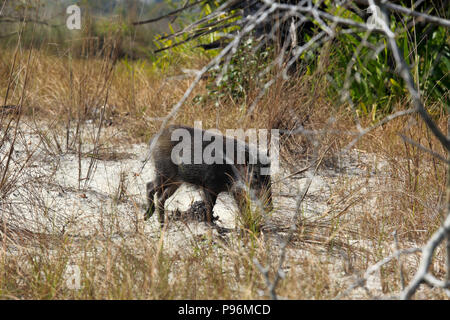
(361, 282)
(404, 72)
(410, 12)
(427, 256)
(172, 13)
(421, 147)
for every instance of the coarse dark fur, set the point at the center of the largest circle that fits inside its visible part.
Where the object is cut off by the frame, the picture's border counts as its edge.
(212, 178)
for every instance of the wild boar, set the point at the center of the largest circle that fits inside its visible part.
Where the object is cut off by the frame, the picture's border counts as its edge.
(234, 165)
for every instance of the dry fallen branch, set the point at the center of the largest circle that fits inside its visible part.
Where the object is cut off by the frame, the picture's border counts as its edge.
(361, 281)
(422, 274)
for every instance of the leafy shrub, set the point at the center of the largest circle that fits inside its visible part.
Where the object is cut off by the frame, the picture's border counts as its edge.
(243, 73)
(374, 84)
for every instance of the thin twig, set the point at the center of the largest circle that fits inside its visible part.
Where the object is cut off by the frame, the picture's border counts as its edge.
(172, 13)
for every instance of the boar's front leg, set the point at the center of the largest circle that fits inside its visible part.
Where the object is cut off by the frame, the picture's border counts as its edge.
(210, 198)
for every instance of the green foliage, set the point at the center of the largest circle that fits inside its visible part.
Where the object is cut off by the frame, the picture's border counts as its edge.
(175, 57)
(242, 75)
(187, 45)
(434, 65)
(374, 83)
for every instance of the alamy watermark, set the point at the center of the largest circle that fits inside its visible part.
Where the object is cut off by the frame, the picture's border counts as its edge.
(256, 151)
(74, 19)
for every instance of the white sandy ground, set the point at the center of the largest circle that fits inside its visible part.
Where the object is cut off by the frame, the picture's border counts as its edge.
(49, 198)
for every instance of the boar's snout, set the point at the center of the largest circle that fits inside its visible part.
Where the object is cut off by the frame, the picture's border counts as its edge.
(260, 183)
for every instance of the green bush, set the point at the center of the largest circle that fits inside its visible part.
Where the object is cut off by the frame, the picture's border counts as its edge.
(374, 85)
(242, 74)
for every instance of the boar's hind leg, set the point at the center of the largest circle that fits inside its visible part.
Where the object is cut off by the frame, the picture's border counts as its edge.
(210, 198)
(166, 191)
(151, 190)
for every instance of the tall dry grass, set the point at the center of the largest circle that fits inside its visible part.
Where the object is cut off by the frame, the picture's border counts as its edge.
(58, 95)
